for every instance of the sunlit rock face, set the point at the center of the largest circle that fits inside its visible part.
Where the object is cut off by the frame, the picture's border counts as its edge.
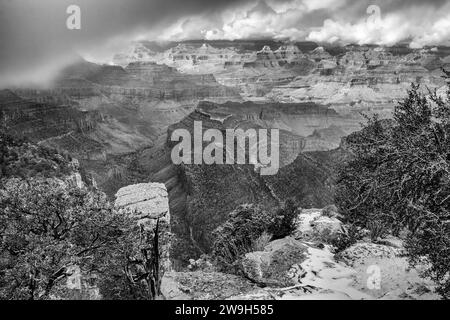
(253, 72)
(200, 60)
(362, 80)
(137, 52)
(351, 79)
(289, 53)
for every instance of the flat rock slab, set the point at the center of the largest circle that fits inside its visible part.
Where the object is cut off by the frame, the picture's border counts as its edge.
(143, 200)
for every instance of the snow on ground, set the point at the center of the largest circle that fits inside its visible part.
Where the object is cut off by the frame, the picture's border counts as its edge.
(364, 271)
(323, 272)
(397, 280)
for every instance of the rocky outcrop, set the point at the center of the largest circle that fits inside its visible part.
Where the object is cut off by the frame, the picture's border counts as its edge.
(275, 266)
(289, 53)
(40, 121)
(148, 204)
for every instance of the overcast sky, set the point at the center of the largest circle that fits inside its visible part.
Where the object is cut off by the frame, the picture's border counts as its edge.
(35, 41)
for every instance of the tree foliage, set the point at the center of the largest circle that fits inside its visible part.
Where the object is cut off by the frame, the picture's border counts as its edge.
(47, 226)
(399, 179)
(134, 270)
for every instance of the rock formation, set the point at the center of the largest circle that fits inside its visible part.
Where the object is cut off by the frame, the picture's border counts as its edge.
(148, 204)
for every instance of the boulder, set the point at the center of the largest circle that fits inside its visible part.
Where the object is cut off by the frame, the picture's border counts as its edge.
(314, 225)
(276, 265)
(325, 228)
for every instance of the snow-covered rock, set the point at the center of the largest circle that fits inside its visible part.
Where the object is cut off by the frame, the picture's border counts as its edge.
(274, 265)
(312, 225)
(361, 251)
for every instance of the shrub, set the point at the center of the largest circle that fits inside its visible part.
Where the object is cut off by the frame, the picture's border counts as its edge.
(284, 221)
(236, 236)
(261, 242)
(250, 227)
(330, 211)
(346, 237)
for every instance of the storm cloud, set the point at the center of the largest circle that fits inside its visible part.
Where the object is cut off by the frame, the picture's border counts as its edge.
(35, 42)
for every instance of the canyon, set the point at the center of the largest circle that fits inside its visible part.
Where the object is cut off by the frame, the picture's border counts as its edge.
(117, 119)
